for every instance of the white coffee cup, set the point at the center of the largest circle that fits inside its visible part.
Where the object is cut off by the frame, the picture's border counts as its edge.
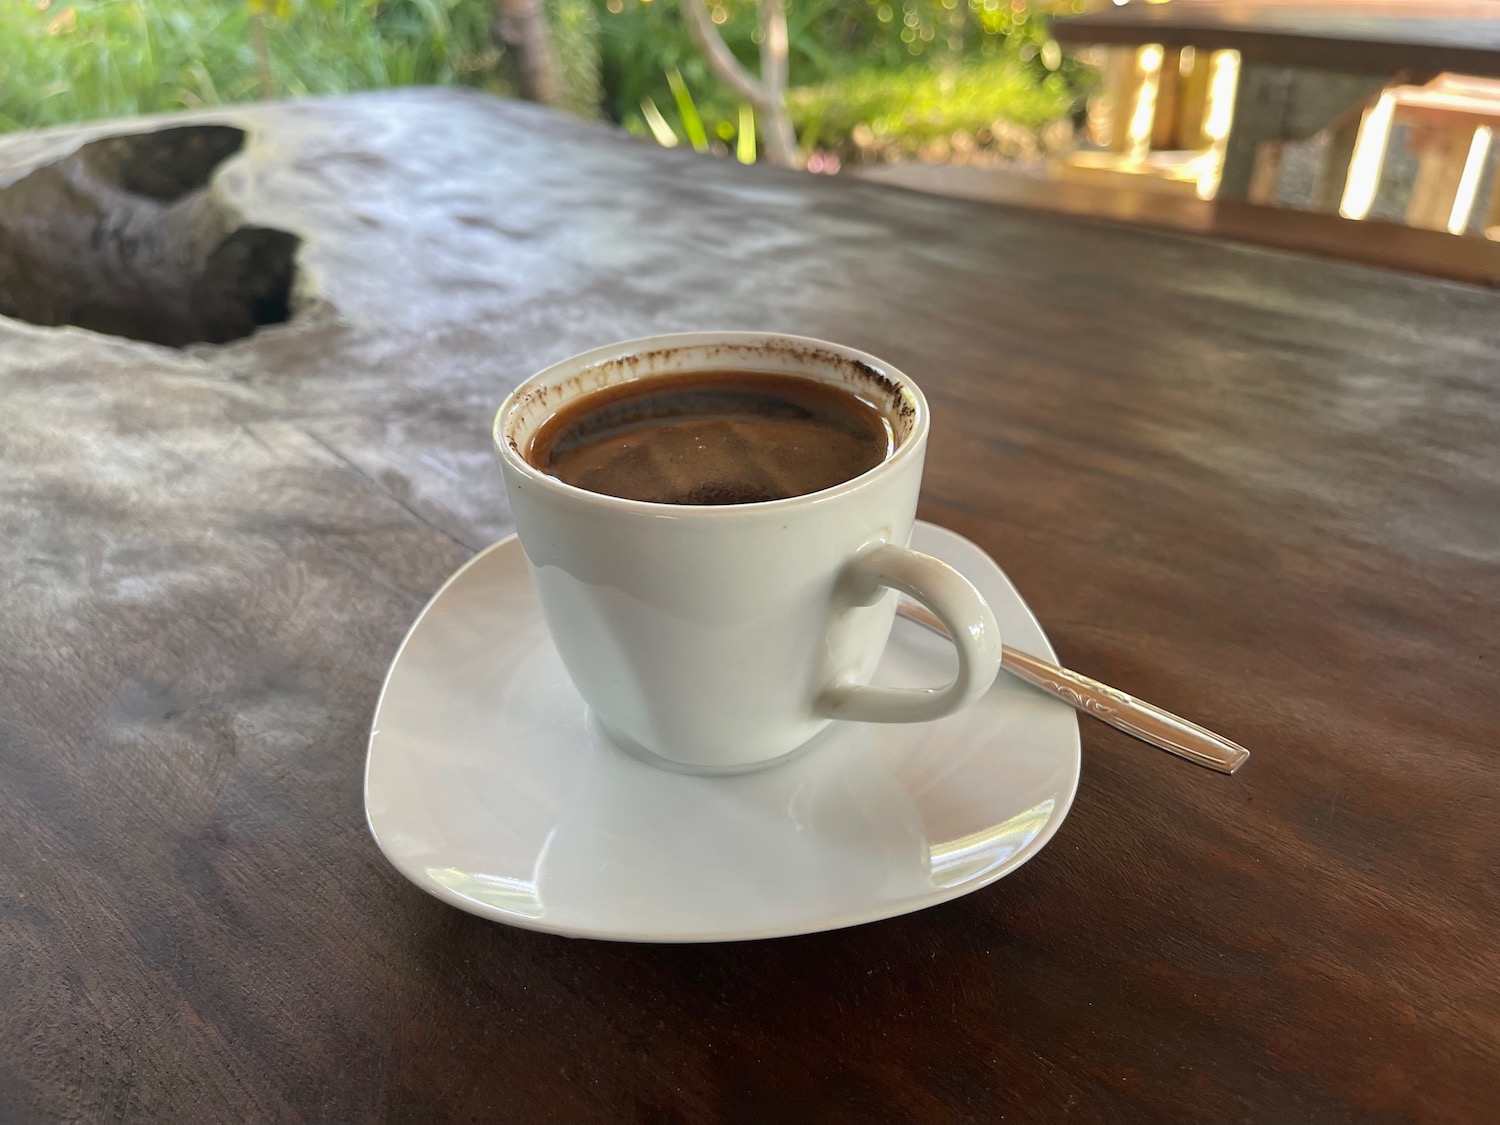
(718, 639)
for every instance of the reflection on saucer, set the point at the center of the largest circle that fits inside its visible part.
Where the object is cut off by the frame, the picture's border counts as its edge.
(971, 856)
(498, 892)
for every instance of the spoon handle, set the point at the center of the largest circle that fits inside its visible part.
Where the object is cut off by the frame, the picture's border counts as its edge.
(1135, 717)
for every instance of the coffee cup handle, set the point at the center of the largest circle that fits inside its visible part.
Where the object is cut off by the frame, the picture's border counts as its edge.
(948, 594)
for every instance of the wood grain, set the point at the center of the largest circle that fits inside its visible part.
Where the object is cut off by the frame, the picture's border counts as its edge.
(1364, 36)
(1256, 488)
(1371, 242)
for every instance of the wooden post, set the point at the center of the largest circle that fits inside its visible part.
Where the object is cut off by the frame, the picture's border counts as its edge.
(1435, 201)
(1333, 171)
(1362, 179)
(1265, 173)
(1167, 114)
(1280, 103)
(1259, 106)
(1122, 80)
(1195, 69)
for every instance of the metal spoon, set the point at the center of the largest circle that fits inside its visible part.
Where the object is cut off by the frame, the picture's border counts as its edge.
(1124, 712)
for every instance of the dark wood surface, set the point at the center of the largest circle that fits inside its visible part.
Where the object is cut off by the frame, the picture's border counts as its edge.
(1369, 241)
(1260, 489)
(1366, 36)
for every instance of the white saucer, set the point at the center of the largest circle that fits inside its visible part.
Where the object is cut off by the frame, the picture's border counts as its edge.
(486, 786)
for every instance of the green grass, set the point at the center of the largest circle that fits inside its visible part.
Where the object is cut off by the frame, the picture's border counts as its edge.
(63, 62)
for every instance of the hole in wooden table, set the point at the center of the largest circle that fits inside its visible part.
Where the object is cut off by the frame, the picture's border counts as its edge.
(126, 236)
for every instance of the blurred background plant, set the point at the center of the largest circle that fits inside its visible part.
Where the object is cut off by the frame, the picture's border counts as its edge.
(870, 79)
(964, 80)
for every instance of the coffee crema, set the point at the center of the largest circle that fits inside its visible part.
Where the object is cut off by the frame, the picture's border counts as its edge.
(713, 437)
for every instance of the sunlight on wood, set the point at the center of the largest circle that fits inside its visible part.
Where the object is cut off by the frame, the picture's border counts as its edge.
(1148, 73)
(1369, 157)
(1225, 66)
(1468, 184)
(1224, 77)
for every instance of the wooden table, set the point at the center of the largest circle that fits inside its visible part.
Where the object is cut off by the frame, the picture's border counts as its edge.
(1259, 489)
(1306, 66)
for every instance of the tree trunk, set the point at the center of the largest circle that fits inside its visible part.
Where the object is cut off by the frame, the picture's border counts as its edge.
(520, 27)
(262, 50)
(768, 93)
(781, 139)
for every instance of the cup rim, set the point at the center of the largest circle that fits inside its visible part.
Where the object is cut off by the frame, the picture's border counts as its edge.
(910, 447)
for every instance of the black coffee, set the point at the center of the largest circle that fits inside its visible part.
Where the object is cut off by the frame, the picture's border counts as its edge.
(713, 437)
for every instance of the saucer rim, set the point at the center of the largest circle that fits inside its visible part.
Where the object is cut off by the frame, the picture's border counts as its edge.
(887, 909)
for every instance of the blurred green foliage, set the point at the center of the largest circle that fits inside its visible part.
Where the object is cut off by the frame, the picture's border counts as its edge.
(991, 56)
(62, 62)
(900, 112)
(913, 68)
